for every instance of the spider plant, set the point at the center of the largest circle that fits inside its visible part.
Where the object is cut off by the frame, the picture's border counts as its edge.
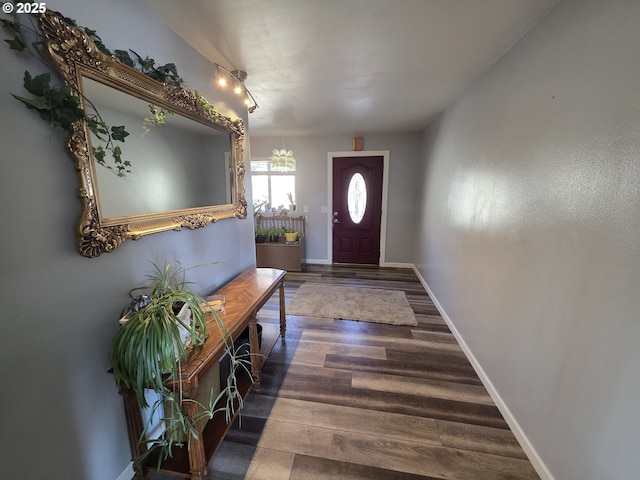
(148, 350)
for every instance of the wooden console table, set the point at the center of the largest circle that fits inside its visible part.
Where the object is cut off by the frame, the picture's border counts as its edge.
(244, 297)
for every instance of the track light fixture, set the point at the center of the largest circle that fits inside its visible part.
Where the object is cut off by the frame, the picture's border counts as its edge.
(236, 79)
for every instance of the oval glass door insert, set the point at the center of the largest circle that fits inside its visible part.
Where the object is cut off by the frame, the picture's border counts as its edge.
(357, 197)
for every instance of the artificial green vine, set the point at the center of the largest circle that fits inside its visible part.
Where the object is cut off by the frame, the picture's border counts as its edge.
(158, 117)
(205, 106)
(167, 74)
(60, 108)
(56, 104)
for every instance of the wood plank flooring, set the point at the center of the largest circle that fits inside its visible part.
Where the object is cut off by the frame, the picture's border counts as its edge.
(353, 400)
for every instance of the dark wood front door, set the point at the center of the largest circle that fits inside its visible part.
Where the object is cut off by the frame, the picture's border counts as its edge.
(357, 209)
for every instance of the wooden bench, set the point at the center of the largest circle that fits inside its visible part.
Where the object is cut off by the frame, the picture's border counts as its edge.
(244, 297)
(282, 255)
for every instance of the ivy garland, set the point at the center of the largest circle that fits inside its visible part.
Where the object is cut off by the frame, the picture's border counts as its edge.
(57, 105)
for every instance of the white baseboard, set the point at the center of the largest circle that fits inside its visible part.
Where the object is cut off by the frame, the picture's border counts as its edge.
(396, 265)
(324, 261)
(316, 261)
(531, 452)
(128, 473)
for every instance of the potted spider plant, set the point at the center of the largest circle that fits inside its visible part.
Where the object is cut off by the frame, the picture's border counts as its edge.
(150, 345)
(157, 331)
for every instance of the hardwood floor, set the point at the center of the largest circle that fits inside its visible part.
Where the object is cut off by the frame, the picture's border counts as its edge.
(353, 400)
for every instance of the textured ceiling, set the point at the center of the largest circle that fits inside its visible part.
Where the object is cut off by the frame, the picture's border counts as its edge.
(353, 67)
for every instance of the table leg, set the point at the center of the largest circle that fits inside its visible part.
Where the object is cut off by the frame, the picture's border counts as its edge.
(254, 347)
(135, 428)
(283, 313)
(197, 461)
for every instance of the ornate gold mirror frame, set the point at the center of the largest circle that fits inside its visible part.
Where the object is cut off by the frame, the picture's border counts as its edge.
(76, 56)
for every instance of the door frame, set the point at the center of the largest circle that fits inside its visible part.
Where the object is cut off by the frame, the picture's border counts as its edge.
(385, 186)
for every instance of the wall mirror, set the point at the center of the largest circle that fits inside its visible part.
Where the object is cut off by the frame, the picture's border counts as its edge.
(186, 173)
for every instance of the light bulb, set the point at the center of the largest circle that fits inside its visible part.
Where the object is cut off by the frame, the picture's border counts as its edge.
(237, 90)
(222, 82)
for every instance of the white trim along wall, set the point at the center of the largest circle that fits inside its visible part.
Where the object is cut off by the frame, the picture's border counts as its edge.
(526, 445)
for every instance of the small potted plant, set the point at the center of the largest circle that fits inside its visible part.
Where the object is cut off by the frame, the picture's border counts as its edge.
(292, 203)
(274, 234)
(290, 236)
(258, 207)
(261, 234)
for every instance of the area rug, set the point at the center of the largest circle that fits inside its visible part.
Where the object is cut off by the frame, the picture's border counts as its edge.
(352, 303)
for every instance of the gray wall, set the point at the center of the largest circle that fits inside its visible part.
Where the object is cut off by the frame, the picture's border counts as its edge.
(61, 416)
(312, 187)
(529, 235)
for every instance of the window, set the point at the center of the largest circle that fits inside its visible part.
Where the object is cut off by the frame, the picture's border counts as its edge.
(272, 187)
(357, 197)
